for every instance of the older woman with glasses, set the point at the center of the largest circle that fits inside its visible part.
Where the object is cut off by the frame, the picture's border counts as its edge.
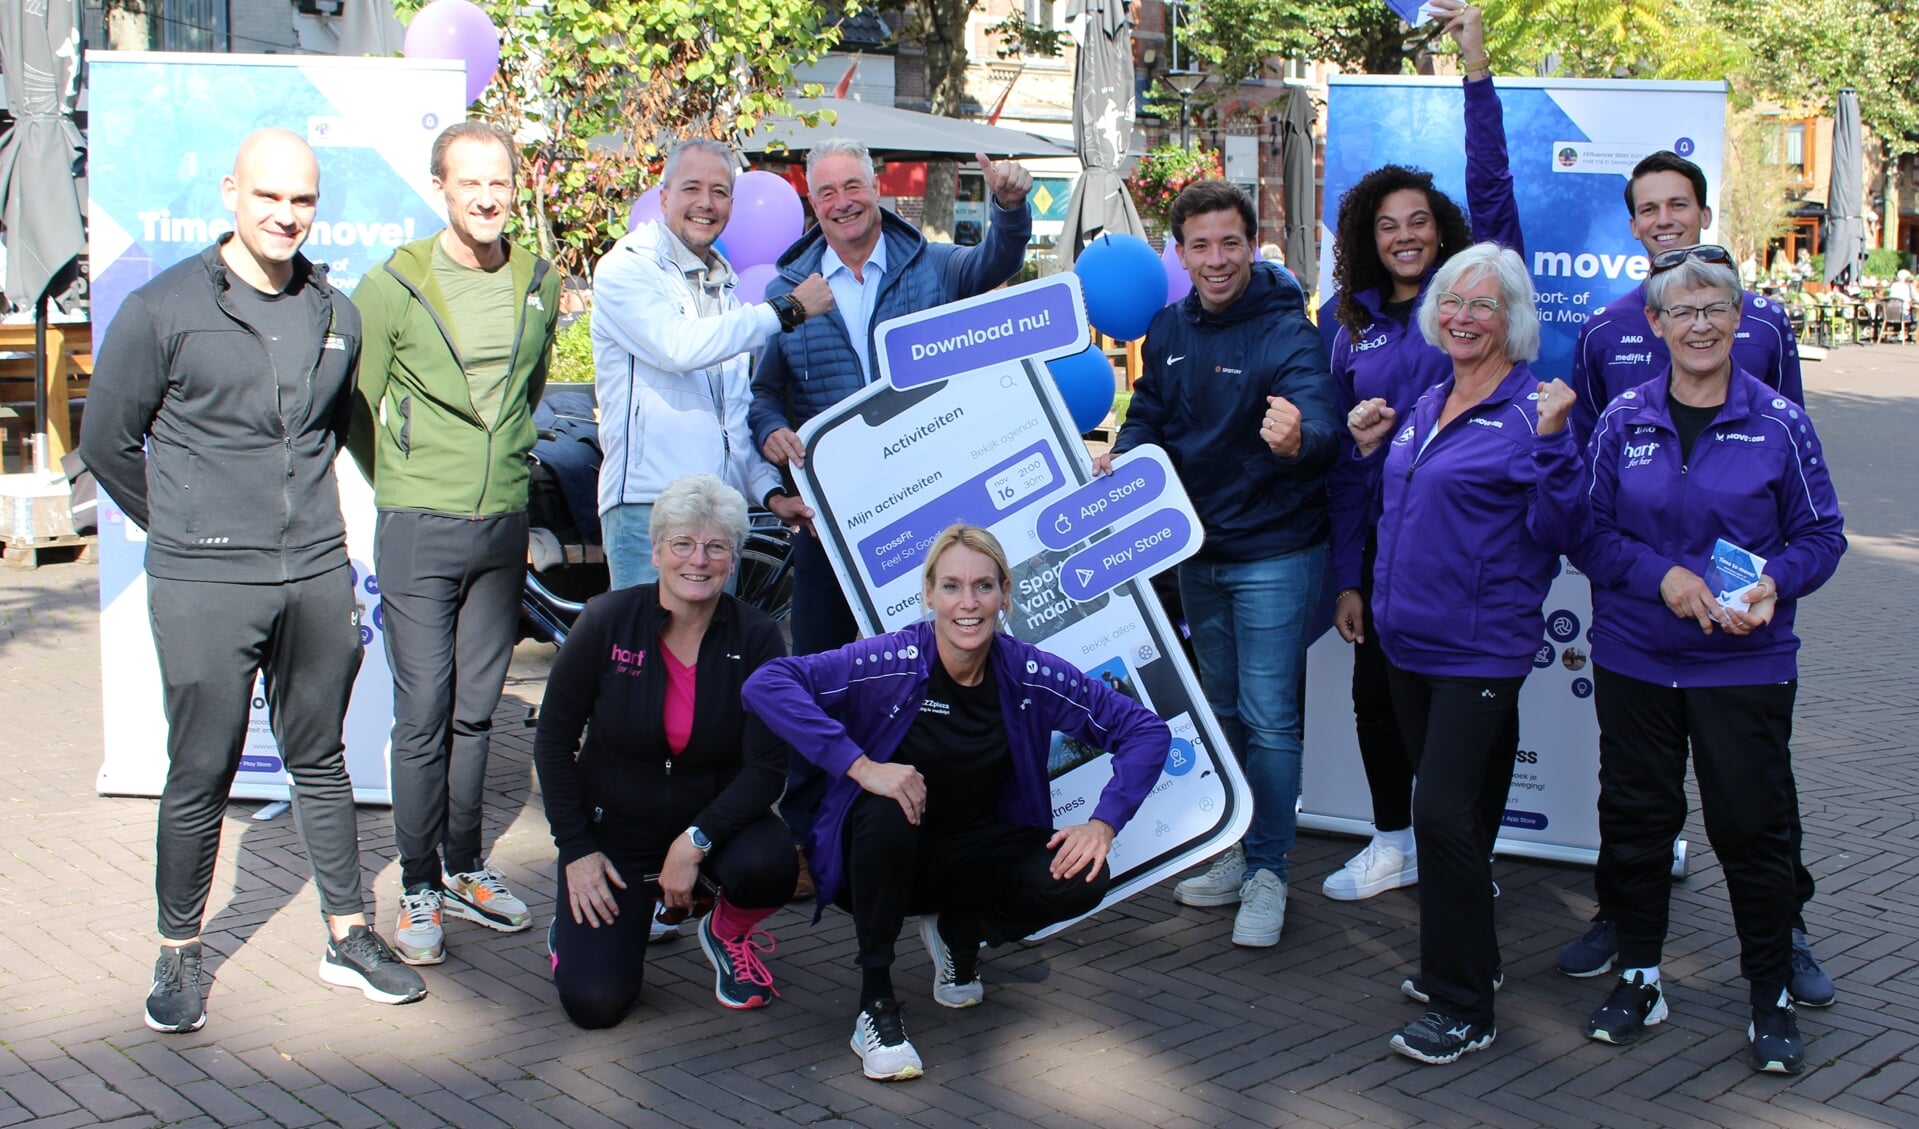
(1696, 476)
(1478, 487)
(673, 789)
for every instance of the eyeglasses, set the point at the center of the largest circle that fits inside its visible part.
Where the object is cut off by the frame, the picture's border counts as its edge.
(1704, 252)
(682, 548)
(1686, 315)
(1478, 309)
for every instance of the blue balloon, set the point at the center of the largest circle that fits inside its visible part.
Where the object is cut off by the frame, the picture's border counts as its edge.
(1124, 283)
(1085, 382)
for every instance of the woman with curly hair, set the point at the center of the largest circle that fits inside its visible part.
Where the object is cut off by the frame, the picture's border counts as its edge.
(1395, 230)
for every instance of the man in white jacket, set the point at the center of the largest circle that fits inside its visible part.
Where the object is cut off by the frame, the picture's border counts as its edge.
(672, 349)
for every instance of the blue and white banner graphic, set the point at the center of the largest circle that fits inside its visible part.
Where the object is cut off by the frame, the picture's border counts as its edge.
(163, 129)
(1572, 144)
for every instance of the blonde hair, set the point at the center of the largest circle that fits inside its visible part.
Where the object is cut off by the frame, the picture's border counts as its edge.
(966, 537)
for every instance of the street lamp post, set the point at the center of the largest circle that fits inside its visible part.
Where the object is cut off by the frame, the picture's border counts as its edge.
(1184, 83)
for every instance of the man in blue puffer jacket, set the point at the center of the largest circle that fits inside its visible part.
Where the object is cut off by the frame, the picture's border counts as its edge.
(879, 268)
(1236, 389)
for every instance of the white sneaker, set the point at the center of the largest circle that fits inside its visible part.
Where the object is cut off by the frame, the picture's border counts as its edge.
(1219, 886)
(879, 1038)
(419, 938)
(947, 991)
(658, 930)
(1262, 911)
(1375, 870)
(481, 897)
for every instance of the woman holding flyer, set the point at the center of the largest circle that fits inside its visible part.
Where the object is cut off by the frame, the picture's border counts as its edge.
(934, 742)
(1395, 229)
(1711, 515)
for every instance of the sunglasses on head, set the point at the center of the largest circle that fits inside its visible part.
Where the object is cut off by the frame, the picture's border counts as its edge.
(1704, 252)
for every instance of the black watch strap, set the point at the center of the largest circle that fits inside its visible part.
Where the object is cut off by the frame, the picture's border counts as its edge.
(790, 312)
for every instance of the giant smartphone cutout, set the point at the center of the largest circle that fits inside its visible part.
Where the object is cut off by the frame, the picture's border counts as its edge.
(994, 445)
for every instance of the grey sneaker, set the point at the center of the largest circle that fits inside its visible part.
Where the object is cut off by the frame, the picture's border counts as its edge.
(947, 990)
(1262, 911)
(361, 960)
(420, 938)
(1219, 886)
(482, 897)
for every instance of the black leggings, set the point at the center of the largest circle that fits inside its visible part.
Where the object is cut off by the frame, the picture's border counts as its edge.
(599, 971)
(988, 884)
(1389, 771)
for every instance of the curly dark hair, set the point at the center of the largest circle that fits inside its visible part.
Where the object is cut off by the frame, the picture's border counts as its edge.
(1356, 265)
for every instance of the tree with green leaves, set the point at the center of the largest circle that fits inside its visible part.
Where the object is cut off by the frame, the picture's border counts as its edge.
(1240, 39)
(599, 89)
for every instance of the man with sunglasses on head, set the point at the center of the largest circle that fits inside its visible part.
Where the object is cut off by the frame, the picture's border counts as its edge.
(1666, 207)
(1617, 351)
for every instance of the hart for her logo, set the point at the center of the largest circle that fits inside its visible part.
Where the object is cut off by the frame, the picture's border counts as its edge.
(625, 661)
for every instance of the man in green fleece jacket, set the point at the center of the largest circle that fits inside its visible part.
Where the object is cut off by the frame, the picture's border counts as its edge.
(458, 331)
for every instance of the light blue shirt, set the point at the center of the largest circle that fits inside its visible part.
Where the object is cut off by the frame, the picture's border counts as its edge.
(854, 298)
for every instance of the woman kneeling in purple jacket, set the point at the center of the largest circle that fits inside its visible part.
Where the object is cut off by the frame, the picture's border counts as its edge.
(1478, 491)
(1704, 454)
(934, 741)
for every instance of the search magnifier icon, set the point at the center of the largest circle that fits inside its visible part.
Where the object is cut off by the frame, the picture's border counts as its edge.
(1006, 381)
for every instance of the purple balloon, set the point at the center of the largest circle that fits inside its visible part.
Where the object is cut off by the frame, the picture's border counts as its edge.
(753, 281)
(767, 218)
(457, 29)
(1178, 282)
(646, 209)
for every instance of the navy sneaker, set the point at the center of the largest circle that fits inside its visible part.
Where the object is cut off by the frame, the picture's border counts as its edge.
(1810, 984)
(1438, 1038)
(1592, 954)
(1633, 1006)
(1774, 1034)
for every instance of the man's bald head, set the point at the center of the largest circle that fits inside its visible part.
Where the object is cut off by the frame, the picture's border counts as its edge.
(272, 192)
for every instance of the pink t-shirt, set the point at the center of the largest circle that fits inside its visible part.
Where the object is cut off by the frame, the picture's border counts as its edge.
(679, 701)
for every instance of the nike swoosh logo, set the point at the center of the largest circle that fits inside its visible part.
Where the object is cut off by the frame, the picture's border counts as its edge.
(1175, 360)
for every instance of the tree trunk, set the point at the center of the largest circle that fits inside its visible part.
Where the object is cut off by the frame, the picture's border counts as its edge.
(945, 41)
(128, 28)
(1889, 213)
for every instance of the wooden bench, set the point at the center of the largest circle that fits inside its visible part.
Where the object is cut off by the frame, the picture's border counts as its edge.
(69, 371)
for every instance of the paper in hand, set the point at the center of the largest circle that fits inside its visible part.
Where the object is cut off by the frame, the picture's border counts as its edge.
(1733, 570)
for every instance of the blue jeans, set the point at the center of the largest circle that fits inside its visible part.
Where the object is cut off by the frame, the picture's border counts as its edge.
(624, 533)
(1249, 621)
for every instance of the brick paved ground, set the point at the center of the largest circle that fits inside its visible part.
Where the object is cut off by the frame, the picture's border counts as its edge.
(1144, 1016)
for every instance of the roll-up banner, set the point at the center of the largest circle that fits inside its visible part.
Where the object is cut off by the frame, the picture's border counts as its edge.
(1572, 144)
(163, 129)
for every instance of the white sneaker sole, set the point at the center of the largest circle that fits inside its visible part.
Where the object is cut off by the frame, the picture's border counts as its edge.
(1479, 1044)
(910, 1070)
(459, 910)
(347, 978)
(1406, 876)
(418, 957)
(1204, 901)
(170, 1029)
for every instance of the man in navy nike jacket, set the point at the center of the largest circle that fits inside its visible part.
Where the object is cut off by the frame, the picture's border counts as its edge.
(1237, 391)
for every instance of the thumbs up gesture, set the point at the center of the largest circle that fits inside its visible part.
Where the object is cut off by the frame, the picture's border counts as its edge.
(1008, 181)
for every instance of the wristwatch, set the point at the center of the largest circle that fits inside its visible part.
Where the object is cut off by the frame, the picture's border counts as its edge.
(790, 312)
(701, 843)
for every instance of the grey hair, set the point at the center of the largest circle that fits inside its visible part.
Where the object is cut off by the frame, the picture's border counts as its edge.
(1693, 274)
(841, 147)
(700, 145)
(696, 501)
(1504, 266)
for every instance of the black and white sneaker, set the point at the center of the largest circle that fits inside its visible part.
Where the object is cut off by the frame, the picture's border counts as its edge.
(1439, 1038)
(1774, 1034)
(879, 1038)
(362, 960)
(1414, 986)
(175, 1005)
(1633, 1006)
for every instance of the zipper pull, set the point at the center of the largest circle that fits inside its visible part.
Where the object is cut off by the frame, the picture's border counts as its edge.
(599, 814)
(669, 766)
